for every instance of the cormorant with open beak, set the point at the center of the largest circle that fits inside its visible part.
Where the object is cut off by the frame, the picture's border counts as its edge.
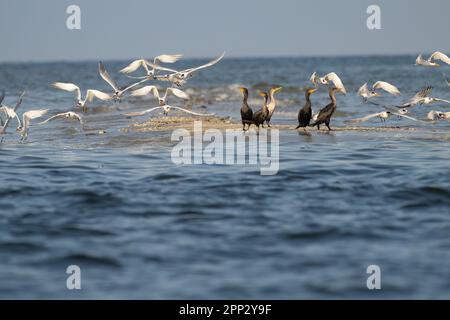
(261, 116)
(305, 114)
(246, 111)
(272, 103)
(326, 113)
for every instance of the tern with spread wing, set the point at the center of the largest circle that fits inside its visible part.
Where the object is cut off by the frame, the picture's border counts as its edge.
(420, 61)
(179, 78)
(66, 115)
(154, 91)
(330, 77)
(162, 101)
(118, 92)
(383, 116)
(26, 119)
(365, 93)
(152, 68)
(90, 94)
(421, 98)
(10, 113)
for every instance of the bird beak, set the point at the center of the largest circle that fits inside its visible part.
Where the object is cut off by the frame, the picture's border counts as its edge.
(277, 89)
(262, 94)
(311, 91)
(242, 90)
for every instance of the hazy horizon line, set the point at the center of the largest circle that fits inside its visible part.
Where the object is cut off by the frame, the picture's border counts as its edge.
(231, 57)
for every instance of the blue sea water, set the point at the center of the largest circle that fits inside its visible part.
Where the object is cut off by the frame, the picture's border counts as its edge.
(139, 226)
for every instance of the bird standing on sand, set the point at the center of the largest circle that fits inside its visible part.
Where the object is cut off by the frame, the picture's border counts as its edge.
(260, 116)
(305, 114)
(118, 92)
(90, 94)
(155, 66)
(324, 116)
(420, 61)
(246, 111)
(272, 103)
(26, 118)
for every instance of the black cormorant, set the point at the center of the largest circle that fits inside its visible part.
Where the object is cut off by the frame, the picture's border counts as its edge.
(305, 114)
(326, 113)
(260, 116)
(246, 111)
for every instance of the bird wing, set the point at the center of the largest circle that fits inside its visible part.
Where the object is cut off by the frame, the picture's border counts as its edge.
(133, 85)
(60, 115)
(90, 94)
(366, 118)
(177, 93)
(68, 87)
(207, 65)
(167, 58)
(63, 115)
(32, 114)
(105, 76)
(9, 111)
(158, 67)
(419, 60)
(419, 96)
(441, 100)
(440, 56)
(141, 113)
(333, 77)
(191, 112)
(2, 97)
(386, 86)
(405, 116)
(363, 90)
(133, 66)
(145, 91)
(313, 78)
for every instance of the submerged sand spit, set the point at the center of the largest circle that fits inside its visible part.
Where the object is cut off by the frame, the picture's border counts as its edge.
(171, 123)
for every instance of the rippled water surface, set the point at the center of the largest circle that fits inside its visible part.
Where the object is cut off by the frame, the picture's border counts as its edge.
(141, 227)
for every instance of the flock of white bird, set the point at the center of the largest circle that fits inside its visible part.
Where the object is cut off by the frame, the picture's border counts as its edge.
(154, 71)
(367, 94)
(177, 78)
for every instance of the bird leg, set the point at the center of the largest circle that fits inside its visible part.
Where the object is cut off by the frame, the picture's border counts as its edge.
(328, 126)
(318, 127)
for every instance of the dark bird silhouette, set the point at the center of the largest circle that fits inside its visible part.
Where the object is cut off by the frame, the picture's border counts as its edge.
(261, 116)
(305, 114)
(246, 111)
(326, 113)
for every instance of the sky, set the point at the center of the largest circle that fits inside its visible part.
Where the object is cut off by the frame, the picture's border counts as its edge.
(32, 30)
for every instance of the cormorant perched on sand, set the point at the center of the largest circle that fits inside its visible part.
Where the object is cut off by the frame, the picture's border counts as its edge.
(246, 111)
(305, 114)
(261, 116)
(272, 103)
(326, 113)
